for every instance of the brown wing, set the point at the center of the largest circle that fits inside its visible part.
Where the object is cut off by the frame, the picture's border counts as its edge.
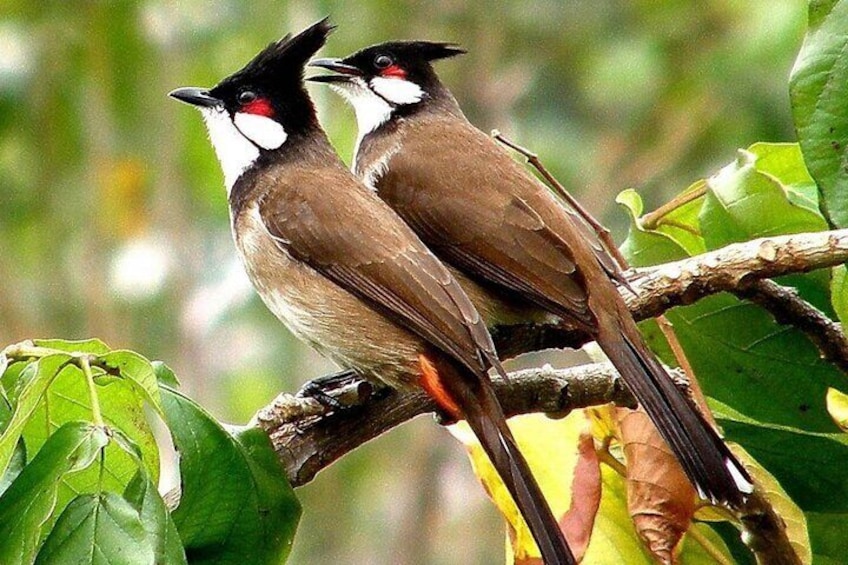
(491, 220)
(355, 240)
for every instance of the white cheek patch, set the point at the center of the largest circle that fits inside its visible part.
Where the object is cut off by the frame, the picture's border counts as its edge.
(235, 152)
(397, 90)
(263, 131)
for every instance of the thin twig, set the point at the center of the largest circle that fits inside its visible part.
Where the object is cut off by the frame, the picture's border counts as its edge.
(667, 329)
(652, 219)
(603, 232)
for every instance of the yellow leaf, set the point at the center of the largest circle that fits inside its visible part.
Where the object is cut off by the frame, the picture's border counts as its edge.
(603, 419)
(837, 406)
(554, 451)
(552, 448)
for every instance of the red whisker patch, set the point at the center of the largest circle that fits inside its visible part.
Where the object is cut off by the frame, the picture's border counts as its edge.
(260, 107)
(393, 71)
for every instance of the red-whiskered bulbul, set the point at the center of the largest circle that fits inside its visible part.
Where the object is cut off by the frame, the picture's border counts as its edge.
(486, 215)
(337, 266)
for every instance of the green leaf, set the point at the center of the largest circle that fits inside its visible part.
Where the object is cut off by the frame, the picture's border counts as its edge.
(741, 356)
(68, 399)
(809, 466)
(818, 89)
(785, 162)
(164, 374)
(16, 465)
(643, 247)
(98, 529)
(278, 507)
(156, 520)
(839, 293)
(10, 385)
(235, 503)
(94, 346)
(139, 372)
(26, 397)
(155, 517)
(26, 507)
(766, 191)
(744, 202)
(827, 536)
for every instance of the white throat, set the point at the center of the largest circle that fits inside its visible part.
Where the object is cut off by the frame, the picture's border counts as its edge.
(237, 141)
(371, 110)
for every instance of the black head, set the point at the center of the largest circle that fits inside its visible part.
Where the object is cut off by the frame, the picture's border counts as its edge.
(270, 85)
(262, 107)
(409, 61)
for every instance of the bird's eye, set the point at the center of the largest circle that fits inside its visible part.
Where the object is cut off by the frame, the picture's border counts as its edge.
(383, 61)
(246, 97)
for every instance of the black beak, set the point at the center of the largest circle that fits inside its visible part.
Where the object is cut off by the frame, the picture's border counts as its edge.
(195, 97)
(344, 72)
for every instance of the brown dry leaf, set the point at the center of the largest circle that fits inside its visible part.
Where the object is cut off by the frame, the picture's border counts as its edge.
(660, 498)
(562, 456)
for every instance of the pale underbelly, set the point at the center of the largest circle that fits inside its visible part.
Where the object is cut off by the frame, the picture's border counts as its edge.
(330, 319)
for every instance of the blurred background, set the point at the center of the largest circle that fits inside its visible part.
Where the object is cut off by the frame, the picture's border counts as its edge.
(113, 217)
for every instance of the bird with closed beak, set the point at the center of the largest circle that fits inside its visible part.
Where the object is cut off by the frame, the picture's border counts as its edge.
(485, 215)
(343, 272)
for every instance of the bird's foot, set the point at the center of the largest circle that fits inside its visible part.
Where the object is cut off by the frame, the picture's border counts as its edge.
(342, 391)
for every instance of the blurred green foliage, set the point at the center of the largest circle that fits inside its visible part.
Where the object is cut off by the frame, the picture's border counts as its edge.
(113, 220)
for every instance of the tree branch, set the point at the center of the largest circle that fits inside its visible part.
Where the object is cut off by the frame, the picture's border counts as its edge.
(309, 436)
(726, 269)
(729, 269)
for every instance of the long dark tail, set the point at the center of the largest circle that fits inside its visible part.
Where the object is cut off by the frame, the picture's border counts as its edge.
(481, 409)
(713, 469)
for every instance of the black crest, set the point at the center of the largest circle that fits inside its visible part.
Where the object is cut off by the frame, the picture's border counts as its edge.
(286, 58)
(276, 74)
(431, 50)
